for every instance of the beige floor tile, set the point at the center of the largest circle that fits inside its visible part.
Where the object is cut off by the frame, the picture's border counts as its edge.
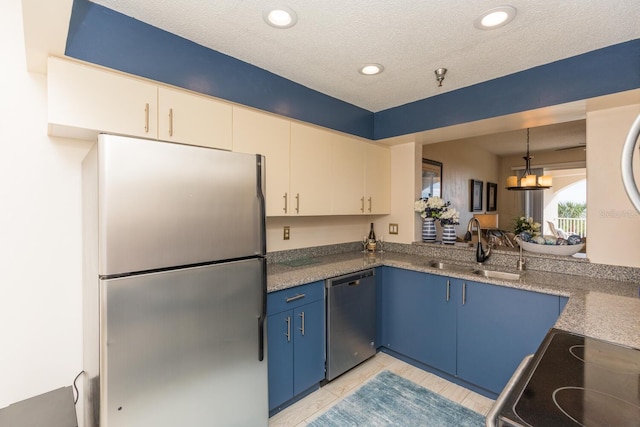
(433, 383)
(299, 411)
(350, 381)
(477, 403)
(383, 358)
(454, 392)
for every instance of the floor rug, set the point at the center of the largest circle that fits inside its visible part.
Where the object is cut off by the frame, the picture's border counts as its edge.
(390, 400)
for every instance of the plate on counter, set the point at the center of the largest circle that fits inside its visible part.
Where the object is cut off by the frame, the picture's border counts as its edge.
(565, 250)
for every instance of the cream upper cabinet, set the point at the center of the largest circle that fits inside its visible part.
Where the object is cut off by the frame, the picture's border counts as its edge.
(260, 133)
(347, 176)
(310, 180)
(193, 119)
(83, 97)
(377, 179)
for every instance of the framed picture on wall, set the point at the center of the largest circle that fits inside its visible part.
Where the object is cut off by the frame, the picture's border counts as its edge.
(492, 197)
(476, 195)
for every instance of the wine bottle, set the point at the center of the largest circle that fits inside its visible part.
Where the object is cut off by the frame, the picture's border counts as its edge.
(371, 244)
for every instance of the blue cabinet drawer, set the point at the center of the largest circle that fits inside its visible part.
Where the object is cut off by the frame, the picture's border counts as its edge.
(291, 298)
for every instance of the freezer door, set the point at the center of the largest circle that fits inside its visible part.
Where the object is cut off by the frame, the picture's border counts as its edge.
(181, 348)
(164, 205)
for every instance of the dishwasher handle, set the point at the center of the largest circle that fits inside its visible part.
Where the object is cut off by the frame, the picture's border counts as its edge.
(492, 416)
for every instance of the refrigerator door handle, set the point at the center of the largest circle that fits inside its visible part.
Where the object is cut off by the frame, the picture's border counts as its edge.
(263, 312)
(260, 185)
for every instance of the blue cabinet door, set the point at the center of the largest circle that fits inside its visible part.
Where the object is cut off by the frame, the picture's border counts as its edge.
(308, 351)
(497, 328)
(403, 299)
(439, 328)
(280, 354)
(417, 319)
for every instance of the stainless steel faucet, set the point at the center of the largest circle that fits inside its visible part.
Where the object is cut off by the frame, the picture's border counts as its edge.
(521, 261)
(481, 254)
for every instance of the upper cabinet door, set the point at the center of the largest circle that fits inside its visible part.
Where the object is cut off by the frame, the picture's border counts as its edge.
(347, 175)
(377, 179)
(310, 182)
(260, 133)
(192, 119)
(83, 98)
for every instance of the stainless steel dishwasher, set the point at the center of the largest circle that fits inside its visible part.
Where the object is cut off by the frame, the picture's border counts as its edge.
(351, 321)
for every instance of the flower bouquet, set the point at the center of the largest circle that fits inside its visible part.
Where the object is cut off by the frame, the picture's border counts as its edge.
(431, 207)
(449, 216)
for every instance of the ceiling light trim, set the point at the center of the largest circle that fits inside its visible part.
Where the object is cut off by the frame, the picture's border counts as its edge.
(371, 69)
(280, 17)
(495, 18)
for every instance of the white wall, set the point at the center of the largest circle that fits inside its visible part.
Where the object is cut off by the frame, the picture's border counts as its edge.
(40, 241)
(612, 221)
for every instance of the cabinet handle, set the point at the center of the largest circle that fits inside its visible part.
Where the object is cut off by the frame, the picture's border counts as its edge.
(448, 290)
(297, 202)
(296, 297)
(302, 329)
(369, 204)
(285, 202)
(146, 117)
(288, 334)
(170, 121)
(362, 205)
(464, 293)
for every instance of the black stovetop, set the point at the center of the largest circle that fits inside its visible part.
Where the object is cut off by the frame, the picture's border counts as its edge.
(577, 381)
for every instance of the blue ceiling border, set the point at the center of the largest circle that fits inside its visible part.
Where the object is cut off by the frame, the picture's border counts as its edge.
(600, 72)
(108, 38)
(102, 36)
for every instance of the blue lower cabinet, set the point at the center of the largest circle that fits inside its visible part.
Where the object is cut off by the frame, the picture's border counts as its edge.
(497, 328)
(476, 332)
(296, 341)
(417, 319)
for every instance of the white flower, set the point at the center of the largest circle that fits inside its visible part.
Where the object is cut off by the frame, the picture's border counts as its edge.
(435, 203)
(450, 216)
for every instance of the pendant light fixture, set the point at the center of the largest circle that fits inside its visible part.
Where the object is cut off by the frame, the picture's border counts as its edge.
(529, 181)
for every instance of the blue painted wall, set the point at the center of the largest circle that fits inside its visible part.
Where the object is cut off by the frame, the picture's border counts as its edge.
(105, 37)
(609, 70)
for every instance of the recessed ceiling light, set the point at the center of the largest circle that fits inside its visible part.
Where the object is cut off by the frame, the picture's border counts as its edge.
(371, 69)
(495, 18)
(280, 17)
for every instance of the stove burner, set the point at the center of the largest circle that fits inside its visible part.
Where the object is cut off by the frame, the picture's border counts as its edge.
(601, 354)
(589, 408)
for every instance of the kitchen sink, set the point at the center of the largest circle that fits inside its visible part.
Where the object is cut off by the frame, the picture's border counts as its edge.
(448, 267)
(497, 274)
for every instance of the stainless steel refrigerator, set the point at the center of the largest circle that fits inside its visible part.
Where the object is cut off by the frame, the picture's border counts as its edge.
(174, 286)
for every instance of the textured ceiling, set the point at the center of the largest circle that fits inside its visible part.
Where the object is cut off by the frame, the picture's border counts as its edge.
(411, 38)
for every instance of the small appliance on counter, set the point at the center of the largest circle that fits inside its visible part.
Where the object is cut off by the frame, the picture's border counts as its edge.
(573, 380)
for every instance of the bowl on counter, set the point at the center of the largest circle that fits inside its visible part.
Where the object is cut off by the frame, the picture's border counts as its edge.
(565, 250)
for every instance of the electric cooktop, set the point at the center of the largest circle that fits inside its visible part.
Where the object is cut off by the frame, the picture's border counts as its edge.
(576, 381)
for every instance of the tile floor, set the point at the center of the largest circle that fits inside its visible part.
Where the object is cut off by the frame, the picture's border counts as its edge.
(306, 410)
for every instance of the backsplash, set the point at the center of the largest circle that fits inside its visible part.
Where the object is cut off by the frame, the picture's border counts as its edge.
(506, 259)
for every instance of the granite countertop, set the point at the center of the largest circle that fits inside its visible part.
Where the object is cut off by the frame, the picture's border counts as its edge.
(599, 308)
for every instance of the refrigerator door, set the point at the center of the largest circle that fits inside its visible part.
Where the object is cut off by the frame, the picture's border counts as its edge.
(181, 348)
(164, 205)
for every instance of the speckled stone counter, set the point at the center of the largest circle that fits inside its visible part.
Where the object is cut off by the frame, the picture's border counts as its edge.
(597, 307)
